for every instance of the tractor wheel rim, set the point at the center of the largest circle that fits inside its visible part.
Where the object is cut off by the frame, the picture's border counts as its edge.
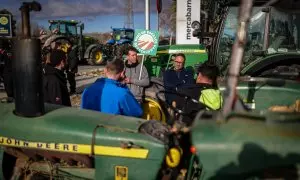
(152, 110)
(98, 57)
(64, 48)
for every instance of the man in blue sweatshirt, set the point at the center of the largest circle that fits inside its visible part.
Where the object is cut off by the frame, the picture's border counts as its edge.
(108, 95)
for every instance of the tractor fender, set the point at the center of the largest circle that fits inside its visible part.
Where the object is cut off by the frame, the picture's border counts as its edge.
(54, 38)
(89, 49)
(256, 66)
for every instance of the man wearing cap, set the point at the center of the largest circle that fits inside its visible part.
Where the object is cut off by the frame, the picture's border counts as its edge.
(55, 82)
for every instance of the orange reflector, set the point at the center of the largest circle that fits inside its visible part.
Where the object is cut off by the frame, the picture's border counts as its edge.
(193, 150)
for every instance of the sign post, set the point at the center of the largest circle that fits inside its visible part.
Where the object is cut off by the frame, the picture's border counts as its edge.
(189, 12)
(146, 42)
(5, 26)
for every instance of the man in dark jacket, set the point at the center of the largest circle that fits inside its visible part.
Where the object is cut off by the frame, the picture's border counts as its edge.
(178, 76)
(5, 57)
(55, 82)
(72, 68)
(205, 91)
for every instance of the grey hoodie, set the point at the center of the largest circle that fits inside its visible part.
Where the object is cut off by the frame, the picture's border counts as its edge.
(132, 71)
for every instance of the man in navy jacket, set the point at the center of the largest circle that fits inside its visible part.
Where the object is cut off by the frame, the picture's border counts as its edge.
(178, 76)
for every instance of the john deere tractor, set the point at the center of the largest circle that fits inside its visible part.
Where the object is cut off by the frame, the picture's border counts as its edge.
(46, 141)
(69, 33)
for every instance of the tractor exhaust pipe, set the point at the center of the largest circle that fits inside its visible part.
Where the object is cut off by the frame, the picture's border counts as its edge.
(27, 69)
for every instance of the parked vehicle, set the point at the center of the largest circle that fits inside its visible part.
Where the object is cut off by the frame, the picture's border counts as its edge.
(69, 33)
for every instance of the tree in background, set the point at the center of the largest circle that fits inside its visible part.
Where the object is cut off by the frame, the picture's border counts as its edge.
(167, 19)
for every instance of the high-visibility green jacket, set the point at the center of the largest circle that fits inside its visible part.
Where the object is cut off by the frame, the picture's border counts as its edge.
(211, 98)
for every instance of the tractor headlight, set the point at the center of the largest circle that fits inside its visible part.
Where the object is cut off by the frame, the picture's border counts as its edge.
(173, 157)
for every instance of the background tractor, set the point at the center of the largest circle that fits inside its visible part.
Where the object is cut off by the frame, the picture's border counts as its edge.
(70, 32)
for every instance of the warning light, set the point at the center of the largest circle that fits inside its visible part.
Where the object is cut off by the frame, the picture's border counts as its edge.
(193, 149)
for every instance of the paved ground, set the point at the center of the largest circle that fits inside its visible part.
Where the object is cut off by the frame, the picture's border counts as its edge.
(86, 75)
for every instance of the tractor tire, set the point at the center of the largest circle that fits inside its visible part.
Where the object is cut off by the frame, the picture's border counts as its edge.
(65, 44)
(156, 85)
(96, 57)
(154, 108)
(155, 129)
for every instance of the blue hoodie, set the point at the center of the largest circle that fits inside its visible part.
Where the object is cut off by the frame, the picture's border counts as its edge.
(110, 96)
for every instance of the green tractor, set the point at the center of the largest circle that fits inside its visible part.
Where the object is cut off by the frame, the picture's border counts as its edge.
(273, 46)
(69, 32)
(272, 50)
(45, 141)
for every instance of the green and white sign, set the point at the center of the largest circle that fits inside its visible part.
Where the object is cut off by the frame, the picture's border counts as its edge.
(146, 41)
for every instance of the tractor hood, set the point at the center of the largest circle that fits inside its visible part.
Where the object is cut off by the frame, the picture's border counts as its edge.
(247, 144)
(78, 131)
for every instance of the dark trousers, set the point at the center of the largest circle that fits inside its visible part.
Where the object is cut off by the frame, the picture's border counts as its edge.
(8, 84)
(72, 81)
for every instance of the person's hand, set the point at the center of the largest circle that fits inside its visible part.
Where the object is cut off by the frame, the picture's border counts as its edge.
(174, 130)
(127, 81)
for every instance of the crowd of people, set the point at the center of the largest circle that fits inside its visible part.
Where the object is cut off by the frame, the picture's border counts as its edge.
(122, 90)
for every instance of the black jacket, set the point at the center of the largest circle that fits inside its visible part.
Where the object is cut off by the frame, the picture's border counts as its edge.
(55, 86)
(73, 61)
(173, 80)
(182, 78)
(190, 107)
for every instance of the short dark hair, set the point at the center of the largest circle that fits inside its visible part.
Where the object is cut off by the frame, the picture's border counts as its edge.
(131, 48)
(115, 66)
(57, 56)
(180, 54)
(209, 70)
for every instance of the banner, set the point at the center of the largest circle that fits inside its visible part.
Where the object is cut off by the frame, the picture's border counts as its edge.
(5, 25)
(187, 12)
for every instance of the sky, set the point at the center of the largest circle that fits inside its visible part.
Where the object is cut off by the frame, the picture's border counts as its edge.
(97, 15)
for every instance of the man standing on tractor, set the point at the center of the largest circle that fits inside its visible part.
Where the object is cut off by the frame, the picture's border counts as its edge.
(134, 81)
(109, 95)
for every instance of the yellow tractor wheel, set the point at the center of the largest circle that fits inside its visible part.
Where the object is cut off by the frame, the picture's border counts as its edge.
(96, 57)
(64, 45)
(153, 110)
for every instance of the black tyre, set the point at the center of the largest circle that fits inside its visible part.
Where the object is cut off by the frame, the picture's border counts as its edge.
(155, 129)
(156, 85)
(64, 44)
(97, 57)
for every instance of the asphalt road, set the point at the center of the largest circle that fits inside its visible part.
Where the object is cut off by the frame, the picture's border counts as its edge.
(87, 75)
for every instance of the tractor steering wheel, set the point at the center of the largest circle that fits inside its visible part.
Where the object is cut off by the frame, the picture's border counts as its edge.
(181, 111)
